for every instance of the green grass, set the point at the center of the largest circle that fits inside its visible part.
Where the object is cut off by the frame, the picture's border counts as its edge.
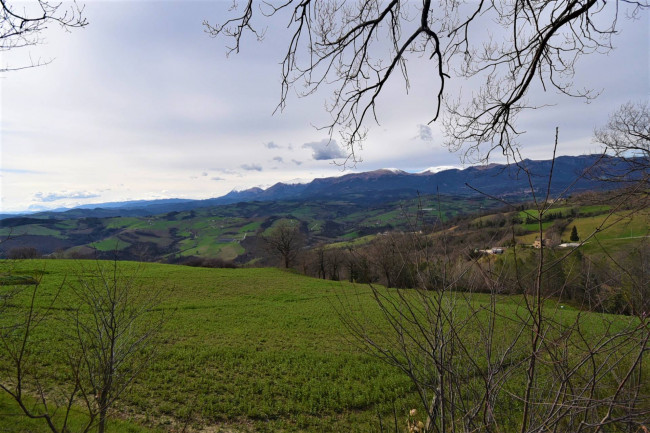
(355, 242)
(566, 211)
(110, 244)
(230, 251)
(123, 222)
(12, 420)
(250, 227)
(532, 227)
(263, 349)
(256, 344)
(615, 231)
(31, 229)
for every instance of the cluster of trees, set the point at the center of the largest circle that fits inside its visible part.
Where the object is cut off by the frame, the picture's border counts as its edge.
(386, 260)
(23, 253)
(416, 260)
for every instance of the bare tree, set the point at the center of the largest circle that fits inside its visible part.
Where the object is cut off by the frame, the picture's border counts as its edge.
(110, 329)
(627, 133)
(22, 25)
(113, 328)
(388, 255)
(627, 136)
(285, 241)
(359, 47)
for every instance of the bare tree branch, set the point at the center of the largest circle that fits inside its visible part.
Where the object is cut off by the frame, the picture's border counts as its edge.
(355, 48)
(22, 25)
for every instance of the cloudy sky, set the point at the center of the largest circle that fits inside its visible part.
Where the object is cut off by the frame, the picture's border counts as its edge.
(143, 104)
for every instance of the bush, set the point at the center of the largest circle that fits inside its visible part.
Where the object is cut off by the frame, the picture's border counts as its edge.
(207, 262)
(19, 253)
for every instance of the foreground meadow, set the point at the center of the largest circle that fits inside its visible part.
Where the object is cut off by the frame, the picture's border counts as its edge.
(259, 350)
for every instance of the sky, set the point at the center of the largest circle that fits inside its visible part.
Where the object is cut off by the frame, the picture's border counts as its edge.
(143, 104)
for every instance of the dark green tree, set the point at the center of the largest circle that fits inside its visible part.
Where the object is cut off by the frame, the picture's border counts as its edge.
(574, 235)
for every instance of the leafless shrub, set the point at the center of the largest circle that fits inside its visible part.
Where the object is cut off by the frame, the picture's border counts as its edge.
(524, 363)
(23, 253)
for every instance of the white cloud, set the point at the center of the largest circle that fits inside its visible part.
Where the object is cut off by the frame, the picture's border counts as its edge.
(63, 195)
(325, 149)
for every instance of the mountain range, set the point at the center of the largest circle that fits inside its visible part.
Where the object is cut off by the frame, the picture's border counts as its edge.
(385, 185)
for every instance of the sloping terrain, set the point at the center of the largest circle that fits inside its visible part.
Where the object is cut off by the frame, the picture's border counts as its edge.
(220, 231)
(267, 350)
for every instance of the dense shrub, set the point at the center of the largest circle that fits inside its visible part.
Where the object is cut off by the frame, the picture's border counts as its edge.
(24, 253)
(207, 262)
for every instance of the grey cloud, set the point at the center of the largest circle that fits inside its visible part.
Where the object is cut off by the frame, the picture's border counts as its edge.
(205, 173)
(216, 178)
(325, 149)
(278, 159)
(272, 145)
(251, 167)
(424, 133)
(295, 161)
(53, 196)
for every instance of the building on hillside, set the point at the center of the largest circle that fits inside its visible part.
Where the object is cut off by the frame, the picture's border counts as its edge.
(569, 245)
(543, 242)
(491, 251)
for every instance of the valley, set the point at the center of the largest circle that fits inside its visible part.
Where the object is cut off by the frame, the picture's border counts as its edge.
(329, 314)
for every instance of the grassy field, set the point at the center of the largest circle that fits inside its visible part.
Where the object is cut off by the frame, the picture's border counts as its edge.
(613, 230)
(254, 350)
(13, 421)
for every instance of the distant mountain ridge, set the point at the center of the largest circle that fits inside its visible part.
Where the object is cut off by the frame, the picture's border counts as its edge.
(493, 179)
(383, 185)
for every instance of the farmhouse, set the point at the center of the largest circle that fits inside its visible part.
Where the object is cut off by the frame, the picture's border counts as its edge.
(491, 251)
(543, 242)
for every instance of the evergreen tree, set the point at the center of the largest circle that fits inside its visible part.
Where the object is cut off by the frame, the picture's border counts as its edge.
(574, 235)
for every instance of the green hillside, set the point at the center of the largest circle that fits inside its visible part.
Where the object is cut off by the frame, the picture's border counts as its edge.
(264, 349)
(220, 231)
